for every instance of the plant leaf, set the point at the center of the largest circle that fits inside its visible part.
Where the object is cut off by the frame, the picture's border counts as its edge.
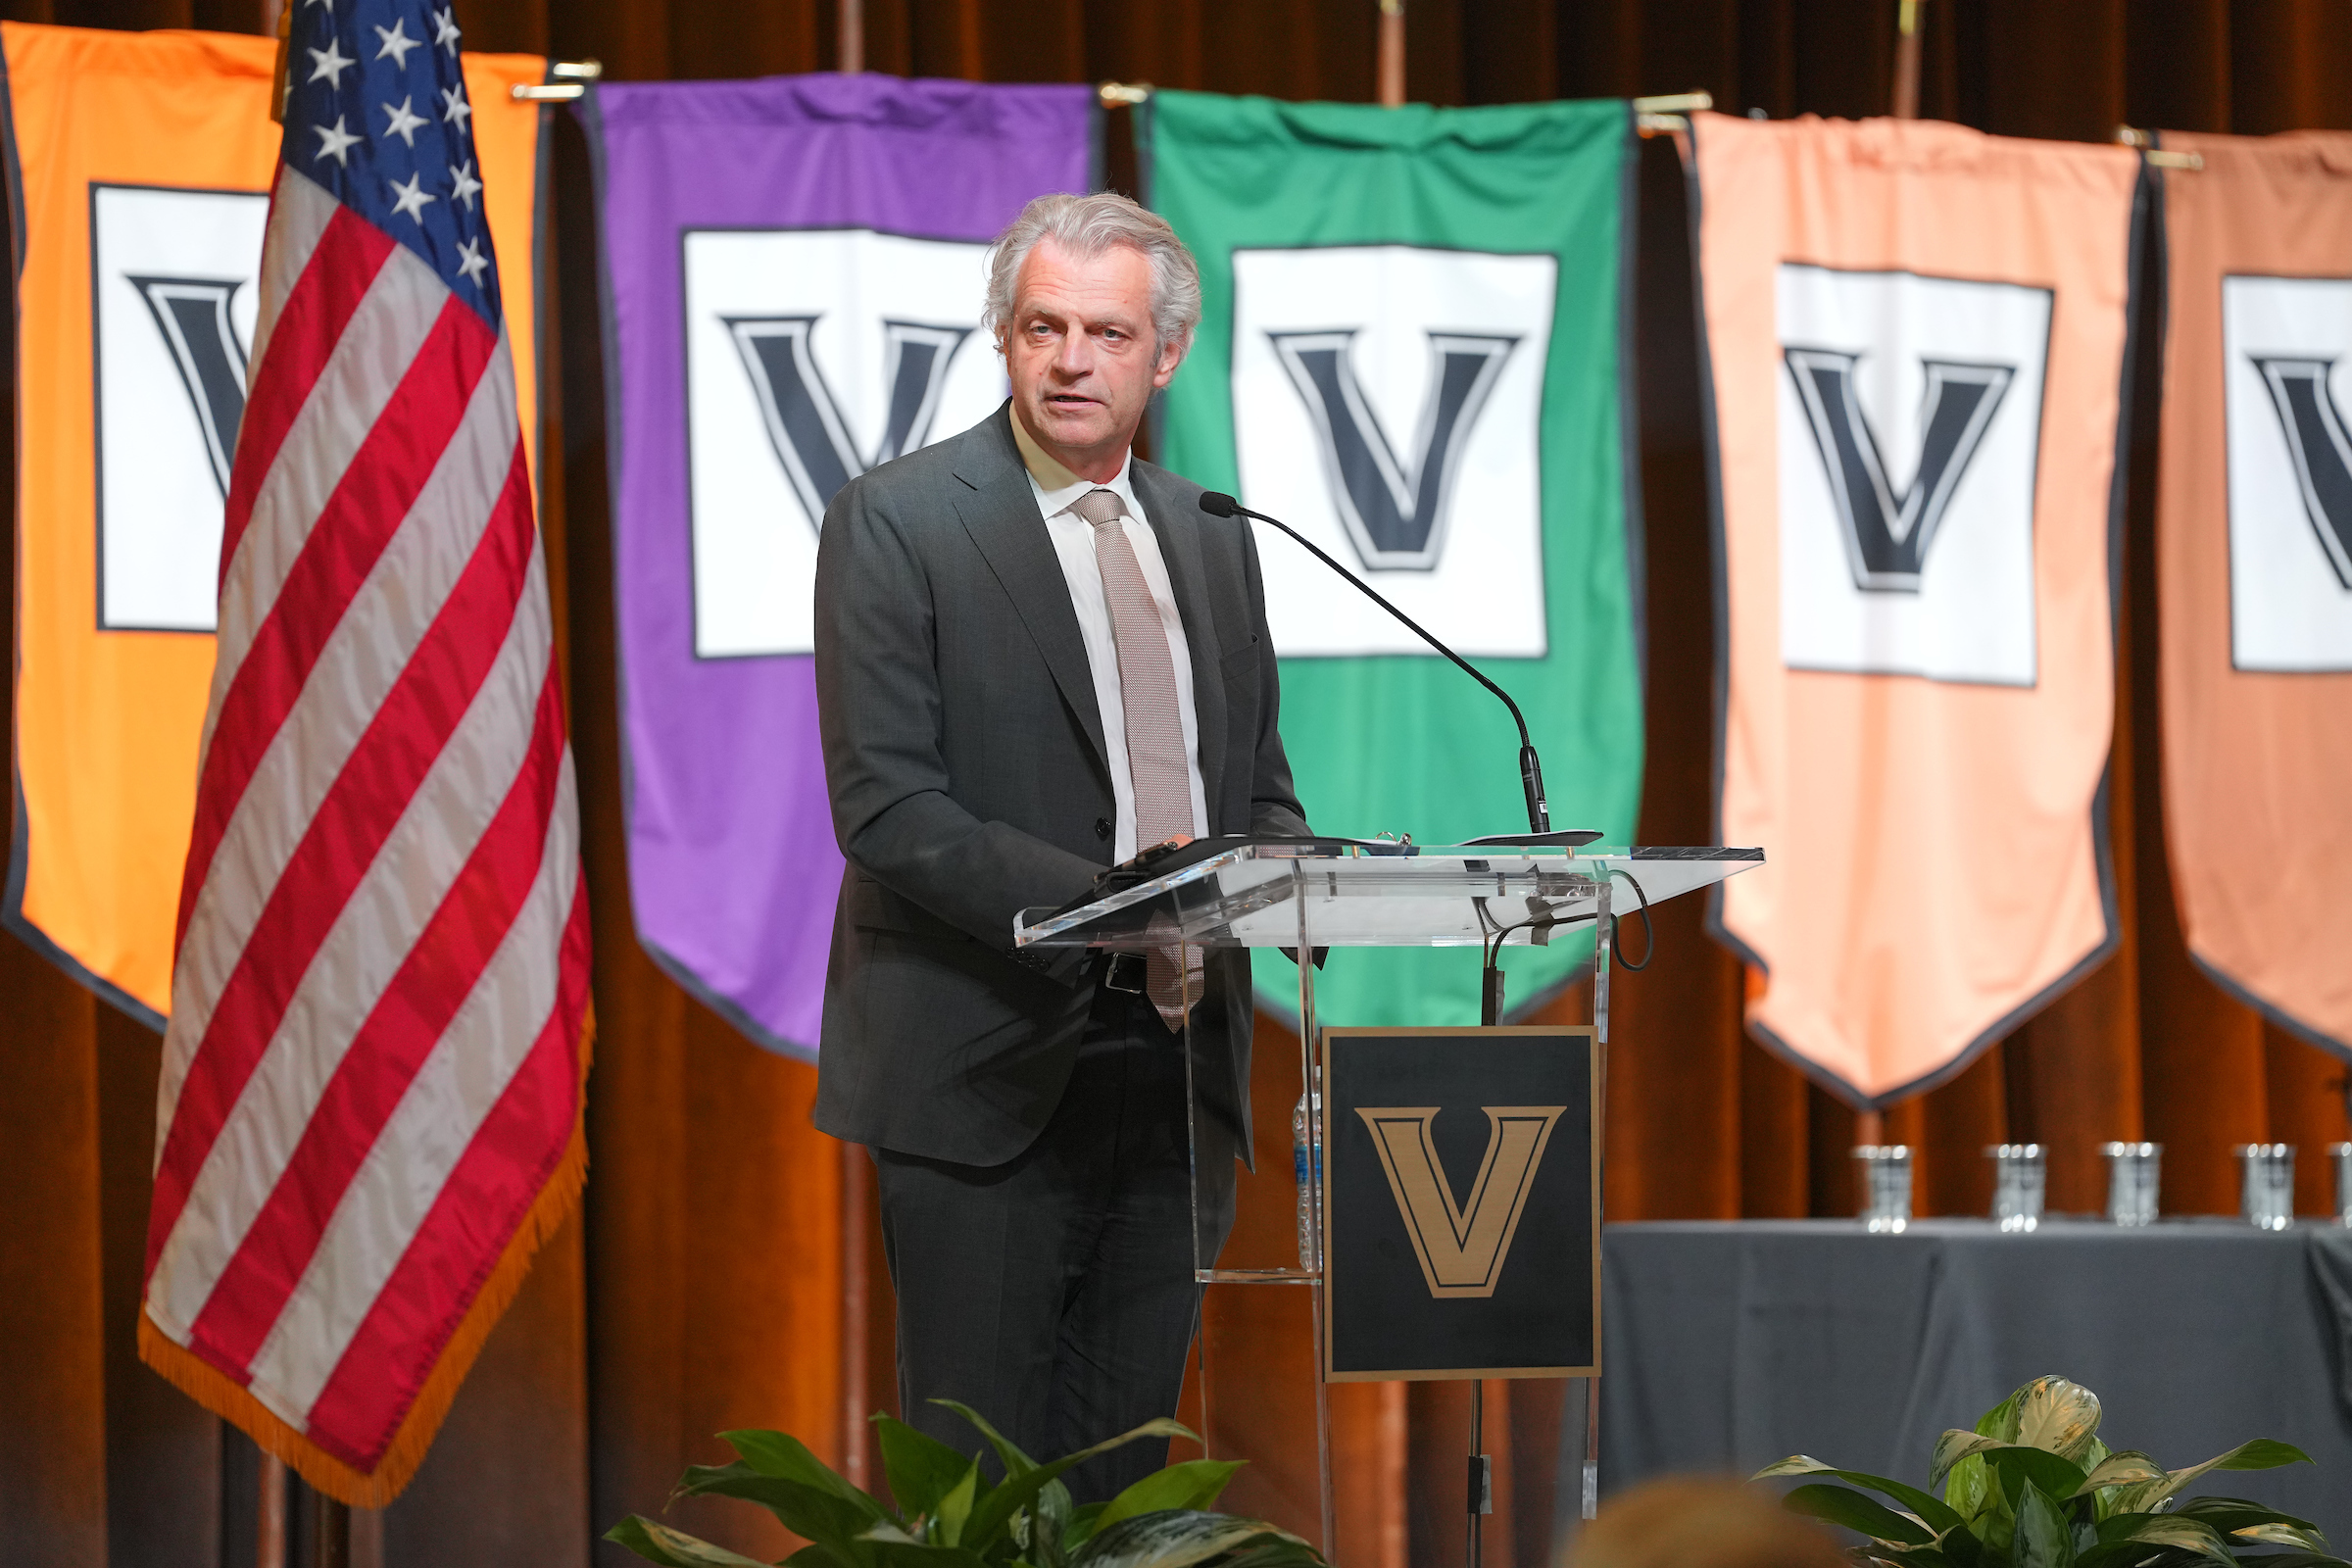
(1181, 1538)
(1085, 1519)
(2043, 1538)
(1842, 1505)
(780, 1455)
(2186, 1534)
(2000, 1422)
(1936, 1515)
(886, 1545)
(921, 1469)
(1192, 1486)
(2263, 1454)
(947, 1523)
(995, 1512)
(2119, 1469)
(1956, 1445)
(819, 1514)
(2057, 1416)
(674, 1548)
(2053, 1473)
(2278, 1534)
(2233, 1513)
(1014, 1461)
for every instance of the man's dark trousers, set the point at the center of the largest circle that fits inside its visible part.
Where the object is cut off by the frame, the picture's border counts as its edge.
(1055, 1293)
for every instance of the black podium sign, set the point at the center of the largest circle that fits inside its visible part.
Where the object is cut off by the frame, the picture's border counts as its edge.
(1461, 1204)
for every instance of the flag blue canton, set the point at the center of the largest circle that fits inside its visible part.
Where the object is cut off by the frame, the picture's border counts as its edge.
(376, 112)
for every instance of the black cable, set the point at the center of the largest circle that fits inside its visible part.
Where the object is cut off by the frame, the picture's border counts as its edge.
(1649, 947)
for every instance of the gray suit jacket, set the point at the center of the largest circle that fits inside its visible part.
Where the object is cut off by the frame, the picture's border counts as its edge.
(964, 749)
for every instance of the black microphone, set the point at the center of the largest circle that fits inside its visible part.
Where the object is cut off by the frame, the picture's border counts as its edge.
(1217, 504)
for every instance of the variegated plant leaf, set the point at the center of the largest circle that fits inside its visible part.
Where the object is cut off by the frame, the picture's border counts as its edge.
(2263, 1454)
(2057, 1416)
(2280, 1534)
(674, 1548)
(1956, 1445)
(2122, 1469)
(2185, 1534)
(1183, 1538)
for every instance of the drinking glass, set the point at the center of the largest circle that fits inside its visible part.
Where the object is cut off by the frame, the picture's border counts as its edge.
(2266, 1193)
(2133, 1174)
(2021, 1177)
(1886, 1187)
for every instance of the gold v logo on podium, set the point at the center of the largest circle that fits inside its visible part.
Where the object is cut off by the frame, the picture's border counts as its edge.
(1461, 1248)
(1461, 1203)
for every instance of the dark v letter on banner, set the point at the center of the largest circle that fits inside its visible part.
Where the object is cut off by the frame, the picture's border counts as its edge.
(2323, 454)
(1395, 510)
(1888, 532)
(192, 314)
(805, 423)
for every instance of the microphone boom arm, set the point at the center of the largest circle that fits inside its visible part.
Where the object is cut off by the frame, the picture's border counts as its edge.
(1530, 769)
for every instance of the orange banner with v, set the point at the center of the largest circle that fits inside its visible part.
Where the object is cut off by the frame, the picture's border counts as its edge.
(1916, 338)
(2254, 563)
(143, 163)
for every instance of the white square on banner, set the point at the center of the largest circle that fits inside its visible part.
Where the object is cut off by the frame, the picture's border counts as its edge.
(1388, 404)
(1910, 420)
(173, 303)
(812, 355)
(2286, 354)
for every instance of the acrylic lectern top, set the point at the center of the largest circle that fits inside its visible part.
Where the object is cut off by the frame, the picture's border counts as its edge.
(1257, 893)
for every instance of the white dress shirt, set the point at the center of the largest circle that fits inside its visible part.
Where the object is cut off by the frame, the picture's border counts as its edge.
(1057, 488)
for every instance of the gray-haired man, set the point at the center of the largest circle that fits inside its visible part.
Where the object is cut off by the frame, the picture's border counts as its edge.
(1034, 656)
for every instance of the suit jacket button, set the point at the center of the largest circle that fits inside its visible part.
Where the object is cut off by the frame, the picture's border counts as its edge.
(1102, 828)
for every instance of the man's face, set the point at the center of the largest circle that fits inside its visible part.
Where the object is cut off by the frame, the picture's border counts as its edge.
(1082, 354)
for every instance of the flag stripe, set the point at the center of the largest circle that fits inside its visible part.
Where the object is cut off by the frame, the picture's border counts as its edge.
(374, 496)
(487, 1196)
(499, 1091)
(299, 215)
(372, 644)
(303, 339)
(344, 983)
(444, 963)
(342, 840)
(360, 375)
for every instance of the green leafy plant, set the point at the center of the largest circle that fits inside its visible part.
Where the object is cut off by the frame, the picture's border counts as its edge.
(949, 1516)
(2033, 1487)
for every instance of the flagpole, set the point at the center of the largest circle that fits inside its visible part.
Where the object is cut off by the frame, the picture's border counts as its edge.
(851, 58)
(270, 1523)
(1906, 60)
(1391, 54)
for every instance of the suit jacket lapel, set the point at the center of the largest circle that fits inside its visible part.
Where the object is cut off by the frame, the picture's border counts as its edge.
(1000, 515)
(1179, 534)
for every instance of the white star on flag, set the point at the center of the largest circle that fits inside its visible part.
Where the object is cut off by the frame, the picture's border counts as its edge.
(471, 262)
(329, 4)
(405, 120)
(455, 107)
(445, 28)
(396, 44)
(330, 64)
(335, 141)
(464, 186)
(411, 198)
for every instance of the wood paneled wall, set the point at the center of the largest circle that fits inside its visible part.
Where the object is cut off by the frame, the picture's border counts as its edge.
(723, 1249)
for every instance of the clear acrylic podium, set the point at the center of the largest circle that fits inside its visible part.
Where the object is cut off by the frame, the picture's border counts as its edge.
(1308, 895)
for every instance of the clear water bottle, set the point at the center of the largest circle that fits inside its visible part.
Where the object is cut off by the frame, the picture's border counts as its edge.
(1307, 1163)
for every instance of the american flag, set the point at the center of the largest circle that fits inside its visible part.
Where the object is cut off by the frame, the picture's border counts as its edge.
(369, 1111)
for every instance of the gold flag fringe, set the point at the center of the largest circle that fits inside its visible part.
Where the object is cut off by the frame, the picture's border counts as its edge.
(226, 1397)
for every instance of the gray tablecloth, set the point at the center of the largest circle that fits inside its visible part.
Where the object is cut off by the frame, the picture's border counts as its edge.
(1728, 1345)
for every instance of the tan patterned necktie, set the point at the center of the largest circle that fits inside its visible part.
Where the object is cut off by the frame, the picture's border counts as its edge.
(1156, 764)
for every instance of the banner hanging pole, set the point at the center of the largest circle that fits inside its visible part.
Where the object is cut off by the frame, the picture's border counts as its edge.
(852, 44)
(1906, 60)
(567, 81)
(1391, 54)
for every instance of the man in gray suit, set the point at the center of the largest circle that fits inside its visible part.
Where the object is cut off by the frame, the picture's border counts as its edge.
(1035, 658)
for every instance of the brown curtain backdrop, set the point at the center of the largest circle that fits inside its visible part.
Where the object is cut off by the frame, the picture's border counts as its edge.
(724, 1270)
